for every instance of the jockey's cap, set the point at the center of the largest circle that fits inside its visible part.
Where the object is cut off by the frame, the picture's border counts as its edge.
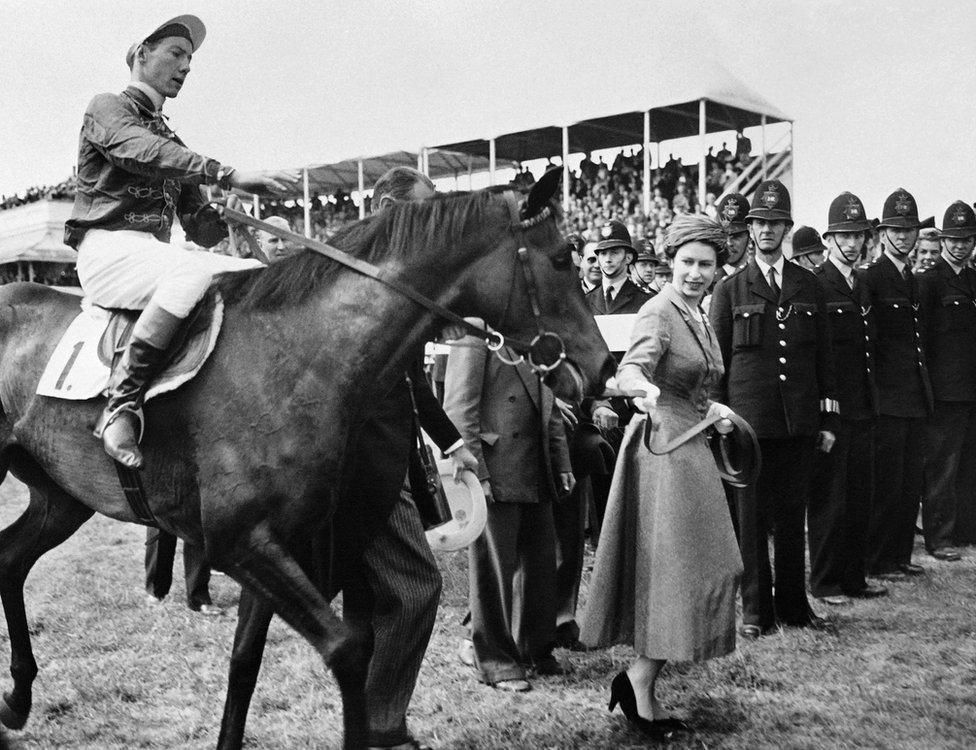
(187, 26)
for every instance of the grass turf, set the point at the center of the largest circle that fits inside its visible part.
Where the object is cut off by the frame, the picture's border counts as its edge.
(899, 672)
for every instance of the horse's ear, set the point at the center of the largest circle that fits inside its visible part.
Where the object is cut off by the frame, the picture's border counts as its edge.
(542, 192)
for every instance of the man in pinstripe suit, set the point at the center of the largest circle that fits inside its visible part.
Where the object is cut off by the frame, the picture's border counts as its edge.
(391, 590)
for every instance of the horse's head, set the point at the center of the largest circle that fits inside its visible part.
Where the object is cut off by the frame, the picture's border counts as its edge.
(526, 287)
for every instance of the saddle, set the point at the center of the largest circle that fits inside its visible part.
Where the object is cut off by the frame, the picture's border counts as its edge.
(81, 365)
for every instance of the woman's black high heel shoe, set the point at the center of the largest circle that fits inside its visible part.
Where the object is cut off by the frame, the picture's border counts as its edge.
(622, 693)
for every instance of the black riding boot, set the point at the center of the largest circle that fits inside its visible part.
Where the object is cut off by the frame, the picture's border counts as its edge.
(121, 424)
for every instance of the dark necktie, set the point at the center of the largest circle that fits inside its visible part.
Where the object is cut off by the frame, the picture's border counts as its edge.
(772, 282)
(609, 296)
(909, 281)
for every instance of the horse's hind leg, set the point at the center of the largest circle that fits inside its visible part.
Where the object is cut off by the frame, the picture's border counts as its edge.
(262, 563)
(253, 618)
(51, 517)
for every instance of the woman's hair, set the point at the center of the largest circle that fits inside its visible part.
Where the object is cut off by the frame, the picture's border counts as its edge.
(696, 228)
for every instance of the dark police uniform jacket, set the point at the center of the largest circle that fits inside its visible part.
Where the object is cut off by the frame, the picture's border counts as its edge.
(949, 300)
(852, 334)
(902, 373)
(777, 354)
(629, 299)
(135, 173)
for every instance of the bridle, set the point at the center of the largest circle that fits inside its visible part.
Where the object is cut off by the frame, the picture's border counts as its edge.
(543, 354)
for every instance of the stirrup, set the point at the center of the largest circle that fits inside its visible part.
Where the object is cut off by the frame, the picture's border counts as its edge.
(107, 417)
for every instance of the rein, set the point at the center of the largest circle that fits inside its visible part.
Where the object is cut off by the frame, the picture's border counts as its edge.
(538, 352)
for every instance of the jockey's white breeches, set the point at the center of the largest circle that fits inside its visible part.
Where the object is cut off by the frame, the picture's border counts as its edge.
(130, 269)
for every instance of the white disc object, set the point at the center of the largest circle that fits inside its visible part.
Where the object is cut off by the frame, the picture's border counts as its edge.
(469, 512)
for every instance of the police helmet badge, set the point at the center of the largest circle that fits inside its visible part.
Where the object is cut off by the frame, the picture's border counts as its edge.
(902, 204)
(730, 209)
(852, 210)
(770, 197)
(960, 217)
(606, 231)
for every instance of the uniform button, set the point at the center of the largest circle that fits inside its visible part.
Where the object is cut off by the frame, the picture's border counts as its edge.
(867, 354)
(839, 310)
(867, 338)
(919, 350)
(782, 360)
(511, 399)
(782, 326)
(782, 376)
(869, 369)
(782, 343)
(745, 315)
(956, 302)
(895, 307)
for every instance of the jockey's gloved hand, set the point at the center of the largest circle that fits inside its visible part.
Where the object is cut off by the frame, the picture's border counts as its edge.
(279, 181)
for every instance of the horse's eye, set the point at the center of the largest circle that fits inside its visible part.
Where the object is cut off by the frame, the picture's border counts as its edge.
(562, 258)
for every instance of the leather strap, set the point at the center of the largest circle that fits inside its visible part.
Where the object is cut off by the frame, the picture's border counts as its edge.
(373, 272)
(135, 493)
(684, 437)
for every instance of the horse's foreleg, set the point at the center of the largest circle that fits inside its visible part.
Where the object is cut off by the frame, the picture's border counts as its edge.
(253, 618)
(51, 517)
(264, 565)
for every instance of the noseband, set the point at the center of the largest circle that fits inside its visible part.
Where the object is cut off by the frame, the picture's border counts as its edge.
(544, 353)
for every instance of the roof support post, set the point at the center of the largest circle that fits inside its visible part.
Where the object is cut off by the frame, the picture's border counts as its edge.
(256, 203)
(308, 203)
(657, 164)
(701, 155)
(566, 170)
(425, 155)
(362, 190)
(491, 161)
(647, 163)
(763, 122)
(470, 170)
(420, 159)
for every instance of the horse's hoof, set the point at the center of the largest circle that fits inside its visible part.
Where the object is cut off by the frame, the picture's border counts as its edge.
(9, 717)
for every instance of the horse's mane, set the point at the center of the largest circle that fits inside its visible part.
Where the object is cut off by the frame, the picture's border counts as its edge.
(434, 225)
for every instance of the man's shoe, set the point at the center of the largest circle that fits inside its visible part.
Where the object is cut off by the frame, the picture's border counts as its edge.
(910, 569)
(465, 652)
(752, 632)
(513, 686)
(946, 554)
(567, 635)
(209, 610)
(549, 666)
(870, 591)
(834, 600)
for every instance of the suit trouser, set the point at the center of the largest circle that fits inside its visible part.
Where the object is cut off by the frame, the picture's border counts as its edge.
(160, 553)
(393, 601)
(569, 516)
(898, 463)
(776, 504)
(511, 577)
(840, 509)
(965, 527)
(944, 437)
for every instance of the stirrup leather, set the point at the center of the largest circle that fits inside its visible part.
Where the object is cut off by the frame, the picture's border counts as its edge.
(107, 417)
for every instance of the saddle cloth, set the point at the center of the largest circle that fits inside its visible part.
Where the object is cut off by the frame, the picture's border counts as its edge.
(81, 365)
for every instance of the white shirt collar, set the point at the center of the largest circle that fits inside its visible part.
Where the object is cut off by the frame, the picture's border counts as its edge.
(154, 96)
(899, 264)
(777, 266)
(614, 285)
(845, 270)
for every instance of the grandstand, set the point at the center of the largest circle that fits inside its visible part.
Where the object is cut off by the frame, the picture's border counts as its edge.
(636, 187)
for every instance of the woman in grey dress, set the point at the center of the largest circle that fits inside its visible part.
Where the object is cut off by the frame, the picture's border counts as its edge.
(668, 566)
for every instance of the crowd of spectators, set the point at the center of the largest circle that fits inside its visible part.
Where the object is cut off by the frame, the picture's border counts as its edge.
(64, 190)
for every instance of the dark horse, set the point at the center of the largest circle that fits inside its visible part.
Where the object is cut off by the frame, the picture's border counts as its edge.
(245, 459)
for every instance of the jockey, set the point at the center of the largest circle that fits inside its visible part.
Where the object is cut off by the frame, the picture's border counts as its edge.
(134, 176)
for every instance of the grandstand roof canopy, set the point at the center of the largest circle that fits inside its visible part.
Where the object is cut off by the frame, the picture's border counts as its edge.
(35, 232)
(669, 91)
(344, 175)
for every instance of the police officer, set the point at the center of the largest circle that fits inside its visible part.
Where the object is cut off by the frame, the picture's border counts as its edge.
(643, 272)
(948, 292)
(771, 326)
(904, 392)
(732, 211)
(840, 501)
(808, 249)
(617, 294)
